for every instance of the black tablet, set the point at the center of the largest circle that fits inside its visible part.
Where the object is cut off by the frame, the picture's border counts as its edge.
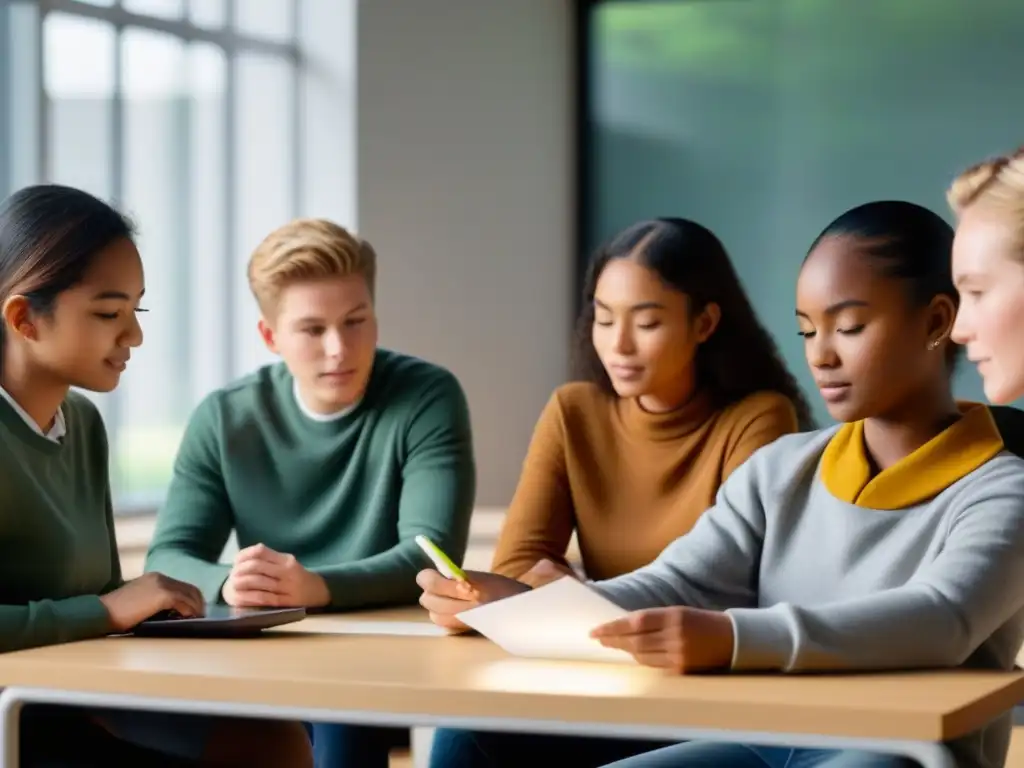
(219, 621)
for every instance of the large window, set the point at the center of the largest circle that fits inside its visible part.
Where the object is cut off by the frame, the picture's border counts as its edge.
(185, 114)
(765, 120)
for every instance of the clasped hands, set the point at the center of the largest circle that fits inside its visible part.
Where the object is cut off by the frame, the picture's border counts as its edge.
(676, 639)
(261, 577)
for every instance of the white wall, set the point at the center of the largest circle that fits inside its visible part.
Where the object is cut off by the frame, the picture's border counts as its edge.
(464, 185)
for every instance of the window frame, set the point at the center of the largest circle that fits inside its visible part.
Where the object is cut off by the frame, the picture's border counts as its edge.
(5, 96)
(34, 118)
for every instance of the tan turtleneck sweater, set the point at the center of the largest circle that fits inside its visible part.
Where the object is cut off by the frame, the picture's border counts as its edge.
(628, 482)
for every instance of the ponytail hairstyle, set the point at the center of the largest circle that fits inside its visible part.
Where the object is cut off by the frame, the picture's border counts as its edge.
(909, 242)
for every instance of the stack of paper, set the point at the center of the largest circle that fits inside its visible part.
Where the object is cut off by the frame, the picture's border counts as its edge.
(550, 622)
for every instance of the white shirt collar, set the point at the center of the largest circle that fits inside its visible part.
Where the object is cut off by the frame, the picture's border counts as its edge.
(57, 431)
(324, 417)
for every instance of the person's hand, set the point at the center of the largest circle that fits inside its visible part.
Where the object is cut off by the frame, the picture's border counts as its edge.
(261, 577)
(676, 639)
(444, 598)
(545, 572)
(147, 596)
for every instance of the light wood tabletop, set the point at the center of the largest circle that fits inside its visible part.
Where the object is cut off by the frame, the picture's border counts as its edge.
(324, 663)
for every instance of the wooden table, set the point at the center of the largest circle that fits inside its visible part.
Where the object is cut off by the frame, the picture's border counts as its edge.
(324, 670)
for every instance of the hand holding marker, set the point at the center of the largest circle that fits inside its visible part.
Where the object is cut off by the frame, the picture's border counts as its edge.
(448, 590)
(441, 561)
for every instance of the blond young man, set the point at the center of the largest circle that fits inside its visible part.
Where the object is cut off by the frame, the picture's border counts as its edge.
(326, 464)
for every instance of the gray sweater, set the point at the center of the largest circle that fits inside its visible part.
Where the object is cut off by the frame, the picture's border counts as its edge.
(815, 583)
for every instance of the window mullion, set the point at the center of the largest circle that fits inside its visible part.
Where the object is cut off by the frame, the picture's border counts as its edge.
(6, 112)
(115, 404)
(44, 157)
(297, 111)
(230, 202)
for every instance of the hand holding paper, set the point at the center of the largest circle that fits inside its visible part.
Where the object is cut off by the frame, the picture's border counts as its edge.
(554, 621)
(445, 597)
(677, 639)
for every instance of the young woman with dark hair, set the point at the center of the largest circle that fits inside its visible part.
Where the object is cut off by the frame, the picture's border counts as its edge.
(71, 282)
(680, 385)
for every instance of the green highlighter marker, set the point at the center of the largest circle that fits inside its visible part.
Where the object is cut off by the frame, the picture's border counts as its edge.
(441, 561)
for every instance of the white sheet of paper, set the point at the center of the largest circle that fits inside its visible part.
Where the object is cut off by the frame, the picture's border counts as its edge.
(550, 622)
(353, 626)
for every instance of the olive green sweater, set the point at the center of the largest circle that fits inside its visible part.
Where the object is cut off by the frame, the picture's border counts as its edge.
(57, 546)
(346, 497)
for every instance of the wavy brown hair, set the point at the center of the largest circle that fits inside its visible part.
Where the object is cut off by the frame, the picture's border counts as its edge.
(740, 357)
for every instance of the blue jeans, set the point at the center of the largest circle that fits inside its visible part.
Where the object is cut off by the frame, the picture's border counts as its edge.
(492, 749)
(354, 746)
(696, 754)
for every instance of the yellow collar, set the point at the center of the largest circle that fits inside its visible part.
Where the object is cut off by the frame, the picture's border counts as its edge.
(953, 453)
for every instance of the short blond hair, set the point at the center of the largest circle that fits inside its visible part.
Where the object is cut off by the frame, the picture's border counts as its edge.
(307, 249)
(998, 185)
